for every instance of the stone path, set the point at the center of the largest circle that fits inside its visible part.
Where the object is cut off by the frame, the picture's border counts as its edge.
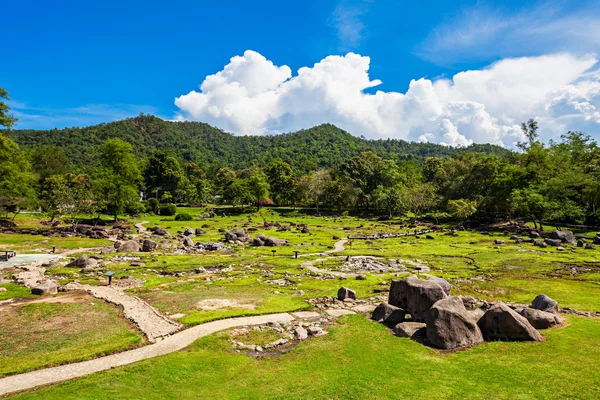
(176, 342)
(309, 265)
(337, 248)
(152, 323)
(140, 226)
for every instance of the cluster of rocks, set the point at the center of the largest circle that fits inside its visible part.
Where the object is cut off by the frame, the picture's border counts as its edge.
(262, 240)
(236, 236)
(450, 322)
(81, 230)
(290, 334)
(370, 264)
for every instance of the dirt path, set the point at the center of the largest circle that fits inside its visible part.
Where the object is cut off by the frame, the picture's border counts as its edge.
(152, 323)
(140, 226)
(176, 342)
(338, 247)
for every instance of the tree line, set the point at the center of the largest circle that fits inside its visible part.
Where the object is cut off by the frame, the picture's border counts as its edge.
(555, 181)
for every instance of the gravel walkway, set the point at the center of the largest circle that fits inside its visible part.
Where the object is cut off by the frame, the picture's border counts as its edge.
(176, 342)
(152, 323)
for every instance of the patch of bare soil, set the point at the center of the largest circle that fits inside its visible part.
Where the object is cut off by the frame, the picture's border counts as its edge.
(217, 304)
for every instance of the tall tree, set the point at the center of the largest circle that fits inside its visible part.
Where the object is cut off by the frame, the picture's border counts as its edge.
(117, 182)
(6, 118)
(16, 179)
(68, 195)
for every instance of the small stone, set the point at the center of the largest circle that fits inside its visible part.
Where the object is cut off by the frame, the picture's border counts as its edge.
(301, 333)
(344, 293)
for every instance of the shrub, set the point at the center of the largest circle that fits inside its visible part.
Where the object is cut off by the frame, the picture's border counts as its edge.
(152, 205)
(184, 217)
(168, 209)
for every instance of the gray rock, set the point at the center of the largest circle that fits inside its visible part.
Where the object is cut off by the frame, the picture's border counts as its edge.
(189, 232)
(415, 295)
(553, 242)
(301, 333)
(46, 287)
(540, 319)
(345, 293)
(499, 241)
(149, 245)
(129, 246)
(361, 277)
(564, 236)
(388, 313)
(117, 244)
(199, 232)
(545, 303)
(580, 243)
(500, 322)
(449, 325)
(410, 329)
(534, 234)
(443, 283)
(589, 246)
(188, 242)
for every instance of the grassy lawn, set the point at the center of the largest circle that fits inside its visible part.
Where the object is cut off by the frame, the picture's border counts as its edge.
(43, 334)
(359, 359)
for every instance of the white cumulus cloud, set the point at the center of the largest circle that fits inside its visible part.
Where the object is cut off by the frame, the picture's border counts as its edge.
(253, 96)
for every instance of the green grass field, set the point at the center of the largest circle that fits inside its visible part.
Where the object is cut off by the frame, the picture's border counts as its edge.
(34, 335)
(358, 359)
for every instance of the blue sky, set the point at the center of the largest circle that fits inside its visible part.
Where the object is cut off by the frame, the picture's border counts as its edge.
(75, 63)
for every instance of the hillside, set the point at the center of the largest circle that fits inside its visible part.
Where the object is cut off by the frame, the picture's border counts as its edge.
(305, 150)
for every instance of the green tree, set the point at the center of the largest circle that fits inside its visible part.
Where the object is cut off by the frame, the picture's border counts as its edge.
(117, 182)
(462, 208)
(163, 173)
(68, 195)
(239, 192)
(50, 160)
(259, 186)
(6, 119)
(16, 179)
(317, 184)
(282, 181)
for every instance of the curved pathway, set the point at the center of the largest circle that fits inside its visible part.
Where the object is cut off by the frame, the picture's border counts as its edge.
(176, 342)
(140, 226)
(338, 247)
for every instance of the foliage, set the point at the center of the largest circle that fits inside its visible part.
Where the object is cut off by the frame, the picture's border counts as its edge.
(184, 217)
(16, 179)
(68, 195)
(168, 209)
(118, 179)
(6, 119)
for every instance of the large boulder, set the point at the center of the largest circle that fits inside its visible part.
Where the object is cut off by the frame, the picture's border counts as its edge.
(540, 319)
(129, 246)
(443, 283)
(545, 303)
(188, 242)
(46, 287)
(415, 295)
(189, 232)
(388, 313)
(450, 326)
(564, 236)
(500, 322)
(345, 293)
(83, 261)
(149, 245)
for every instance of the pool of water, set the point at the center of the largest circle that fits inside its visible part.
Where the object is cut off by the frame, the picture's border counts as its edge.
(20, 259)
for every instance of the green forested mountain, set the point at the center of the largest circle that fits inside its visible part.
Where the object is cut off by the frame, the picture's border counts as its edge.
(211, 148)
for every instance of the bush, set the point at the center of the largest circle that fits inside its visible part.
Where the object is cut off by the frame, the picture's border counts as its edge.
(134, 208)
(184, 217)
(168, 209)
(152, 205)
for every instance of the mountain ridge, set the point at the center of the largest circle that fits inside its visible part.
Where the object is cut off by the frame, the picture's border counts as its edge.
(210, 147)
